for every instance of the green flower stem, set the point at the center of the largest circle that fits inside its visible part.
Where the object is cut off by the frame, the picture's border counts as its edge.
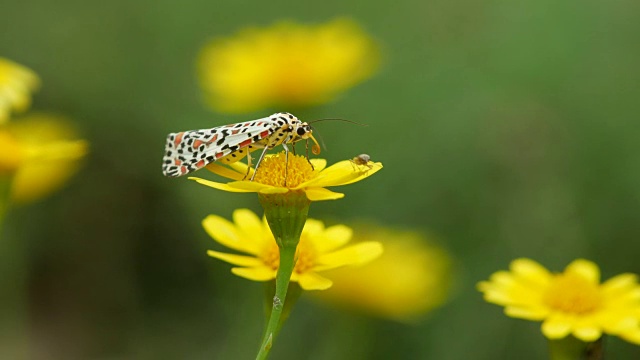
(571, 348)
(13, 282)
(293, 294)
(286, 215)
(282, 283)
(5, 192)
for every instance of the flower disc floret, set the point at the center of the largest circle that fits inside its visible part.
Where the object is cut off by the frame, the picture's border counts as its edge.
(275, 171)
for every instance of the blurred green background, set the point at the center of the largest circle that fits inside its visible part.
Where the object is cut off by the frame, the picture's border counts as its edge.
(507, 129)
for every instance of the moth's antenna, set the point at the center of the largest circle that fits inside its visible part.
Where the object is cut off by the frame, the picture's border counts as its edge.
(336, 119)
(324, 146)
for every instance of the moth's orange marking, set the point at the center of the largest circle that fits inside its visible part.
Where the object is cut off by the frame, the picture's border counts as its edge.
(200, 164)
(260, 123)
(178, 162)
(219, 155)
(264, 134)
(214, 138)
(178, 139)
(197, 143)
(183, 170)
(245, 143)
(247, 124)
(233, 132)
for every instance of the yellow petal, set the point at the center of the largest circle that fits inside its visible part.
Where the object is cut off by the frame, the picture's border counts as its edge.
(587, 333)
(226, 233)
(252, 228)
(357, 254)
(219, 186)
(531, 271)
(502, 279)
(330, 177)
(334, 237)
(313, 228)
(586, 269)
(261, 273)
(239, 260)
(497, 297)
(374, 168)
(225, 171)
(615, 324)
(313, 281)
(620, 284)
(631, 336)
(318, 164)
(253, 186)
(556, 327)
(241, 168)
(528, 313)
(320, 194)
(273, 190)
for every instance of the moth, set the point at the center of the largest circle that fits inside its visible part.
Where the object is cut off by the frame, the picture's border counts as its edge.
(188, 151)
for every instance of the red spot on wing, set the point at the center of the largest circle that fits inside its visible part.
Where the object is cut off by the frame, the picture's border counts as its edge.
(247, 124)
(183, 170)
(215, 137)
(178, 162)
(219, 155)
(264, 134)
(260, 123)
(178, 139)
(245, 143)
(197, 143)
(233, 132)
(200, 164)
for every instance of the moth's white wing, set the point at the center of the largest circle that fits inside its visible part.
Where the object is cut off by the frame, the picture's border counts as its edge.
(188, 151)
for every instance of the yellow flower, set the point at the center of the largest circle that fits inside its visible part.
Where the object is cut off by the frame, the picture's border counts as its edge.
(319, 249)
(573, 302)
(299, 176)
(412, 277)
(40, 152)
(287, 64)
(16, 84)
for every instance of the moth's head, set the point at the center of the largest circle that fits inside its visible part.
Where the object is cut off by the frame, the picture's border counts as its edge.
(305, 131)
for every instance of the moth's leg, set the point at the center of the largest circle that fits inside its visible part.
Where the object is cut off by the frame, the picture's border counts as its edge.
(306, 147)
(286, 164)
(248, 165)
(259, 162)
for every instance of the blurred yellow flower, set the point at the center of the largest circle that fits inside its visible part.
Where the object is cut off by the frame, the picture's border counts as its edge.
(40, 153)
(286, 65)
(16, 84)
(573, 302)
(319, 249)
(299, 175)
(412, 277)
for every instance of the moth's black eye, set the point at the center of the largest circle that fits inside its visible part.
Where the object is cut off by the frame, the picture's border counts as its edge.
(301, 131)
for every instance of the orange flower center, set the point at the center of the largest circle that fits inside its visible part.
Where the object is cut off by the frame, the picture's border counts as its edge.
(275, 171)
(271, 257)
(571, 293)
(305, 257)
